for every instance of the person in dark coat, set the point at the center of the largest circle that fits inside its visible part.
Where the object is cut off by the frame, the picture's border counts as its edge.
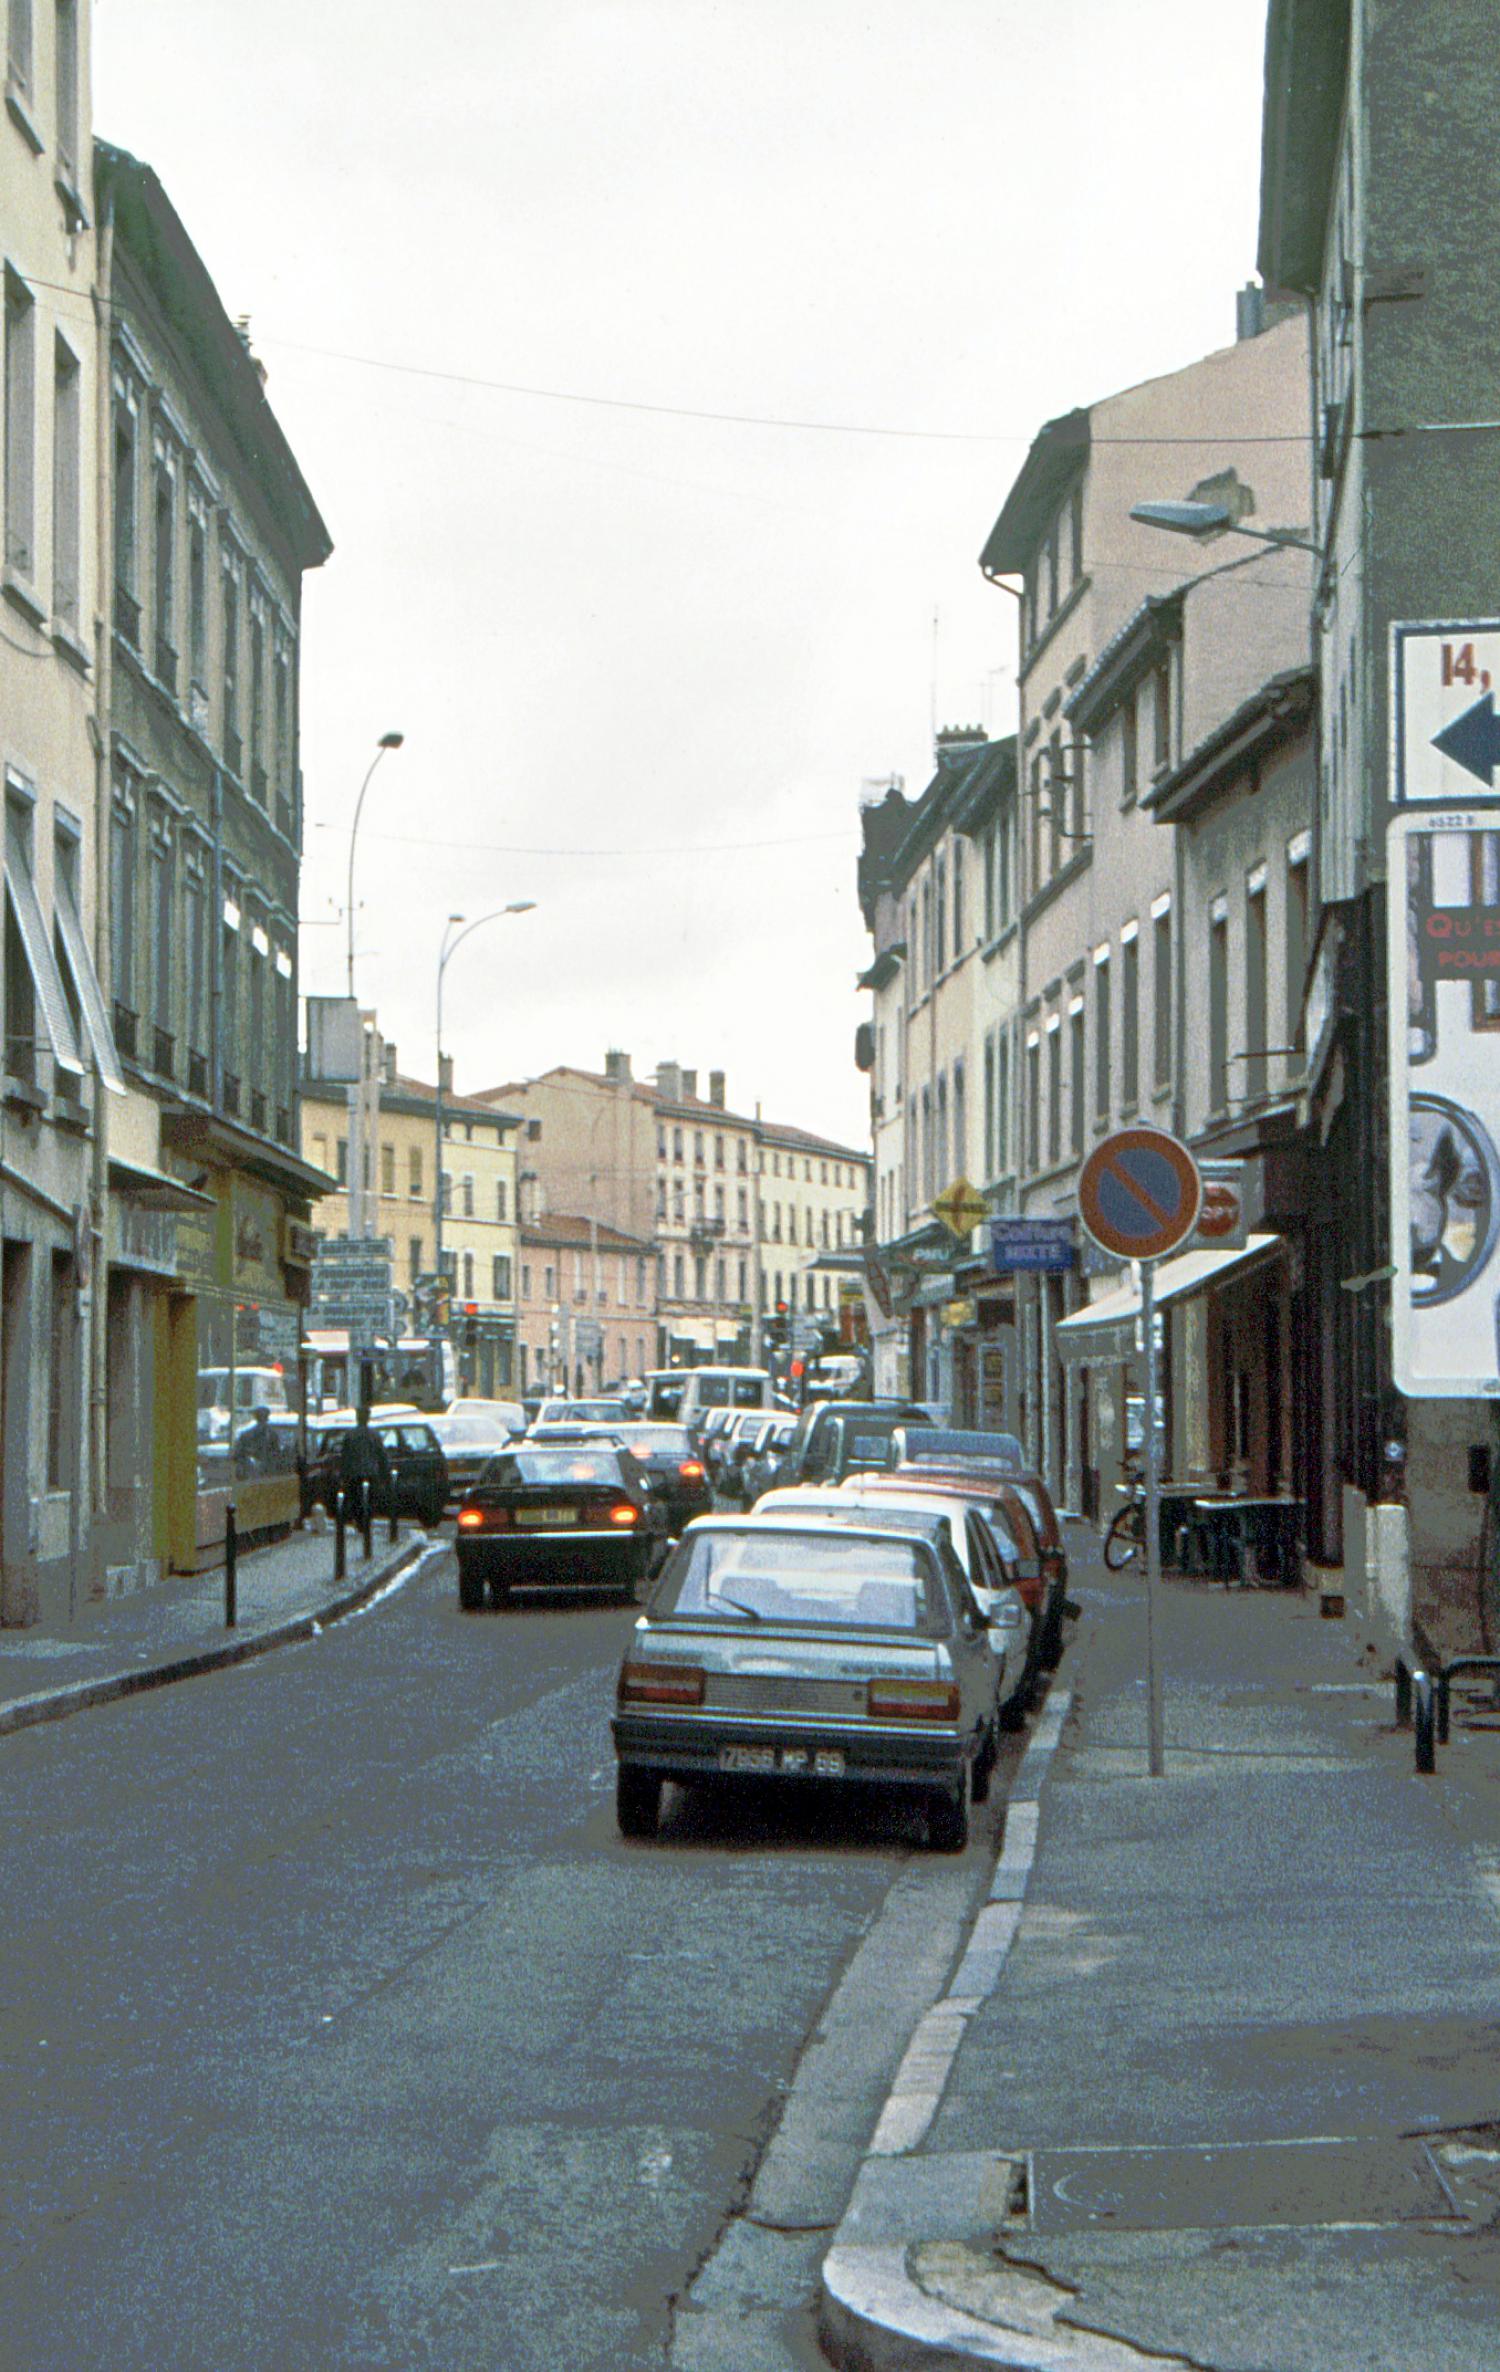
(363, 1457)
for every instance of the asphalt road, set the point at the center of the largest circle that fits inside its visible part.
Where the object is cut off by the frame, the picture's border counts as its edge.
(339, 2028)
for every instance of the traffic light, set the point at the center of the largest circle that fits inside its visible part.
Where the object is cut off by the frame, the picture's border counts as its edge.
(442, 1308)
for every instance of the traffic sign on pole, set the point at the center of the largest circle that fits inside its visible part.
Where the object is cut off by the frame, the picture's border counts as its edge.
(961, 1207)
(1139, 1193)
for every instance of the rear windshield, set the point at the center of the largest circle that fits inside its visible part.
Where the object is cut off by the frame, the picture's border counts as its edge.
(868, 1445)
(659, 1441)
(801, 1577)
(464, 1432)
(553, 1466)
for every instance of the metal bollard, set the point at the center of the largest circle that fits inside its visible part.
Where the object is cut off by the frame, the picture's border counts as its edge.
(1423, 1722)
(1403, 1694)
(231, 1564)
(390, 1522)
(1442, 1708)
(340, 1540)
(367, 1518)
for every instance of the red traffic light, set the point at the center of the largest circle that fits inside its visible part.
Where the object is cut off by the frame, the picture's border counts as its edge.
(781, 1309)
(796, 1368)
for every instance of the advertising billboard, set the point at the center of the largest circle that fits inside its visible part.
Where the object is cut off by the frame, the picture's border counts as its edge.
(1444, 955)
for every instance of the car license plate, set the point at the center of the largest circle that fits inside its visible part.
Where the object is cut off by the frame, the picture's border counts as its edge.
(793, 1762)
(548, 1518)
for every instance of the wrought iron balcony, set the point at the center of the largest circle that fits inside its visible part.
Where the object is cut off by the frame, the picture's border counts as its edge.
(127, 1031)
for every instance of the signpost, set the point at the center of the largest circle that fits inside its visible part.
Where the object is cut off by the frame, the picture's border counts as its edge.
(1139, 1194)
(961, 1207)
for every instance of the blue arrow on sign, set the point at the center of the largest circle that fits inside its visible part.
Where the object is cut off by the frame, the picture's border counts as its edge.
(1473, 741)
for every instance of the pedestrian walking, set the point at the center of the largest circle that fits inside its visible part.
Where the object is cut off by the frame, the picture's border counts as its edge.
(363, 1458)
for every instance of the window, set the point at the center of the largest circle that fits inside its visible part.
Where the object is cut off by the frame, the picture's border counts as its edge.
(661, 1141)
(1075, 532)
(698, 1147)
(256, 719)
(467, 1190)
(718, 1153)
(958, 901)
(414, 1173)
(1161, 951)
(20, 427)
(67, 449)
(1038, 874)
(198, 597)
(500, 1277)
(468, 1276)
(67, 90)
(1033, 1102)
(1297, 936)
(1054, 1090)
(387, 1169)
(341, 1160)
(1161, 715)
(1255, 1048)
(989, 1106)
(960, 1125)
(260, 948)
(678, 1276)
(37, 1009)
(1103, 1051)
(164, 567)
(741, 1162)
(445, 1192)
(549, 1282)
(18, 47)
(1130, 1019)
(502, 1200)
(1218, 1007)
(229, 986)
(232, 757)
(1005, 870)
(122, 899)
(414, 1256)
(1057, 801)
(163, 901)
(1130, 756)
(943, 1171)
(677, 1144)
(940, 924)
(1052, 565)
(127, 617)
(526, 1280)
(1002, 1104)
(195, 949)
(60, 1377)
(1075, 1075)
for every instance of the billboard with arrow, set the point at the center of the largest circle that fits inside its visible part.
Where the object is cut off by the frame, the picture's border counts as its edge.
(1445, 737)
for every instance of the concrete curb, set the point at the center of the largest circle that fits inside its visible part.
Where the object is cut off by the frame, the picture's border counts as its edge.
(872, 2315)
(55, 1704)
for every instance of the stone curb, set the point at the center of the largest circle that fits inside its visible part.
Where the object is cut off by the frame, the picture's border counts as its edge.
(55, 1704)
(872, 2315)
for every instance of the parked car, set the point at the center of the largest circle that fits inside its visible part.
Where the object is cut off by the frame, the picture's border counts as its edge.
(705, 1388)
(599, 1411)
(992, 1567)
(554, 1516)
(810, 1454)
(1034, 1495)
(743, 1452)
(469, 1438)
(726, 1440)
(760, 1470)
(509, 1413)
(419, 1470)
(994, 1490)
(831, 1652)
(705, 1435)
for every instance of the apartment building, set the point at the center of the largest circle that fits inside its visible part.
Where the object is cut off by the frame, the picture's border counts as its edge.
(481, 1208)
(1131, 658)
(587, 1311)
(60, 1069)
(210, 528)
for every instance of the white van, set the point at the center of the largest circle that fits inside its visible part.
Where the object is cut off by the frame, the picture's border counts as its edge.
(704, 1388)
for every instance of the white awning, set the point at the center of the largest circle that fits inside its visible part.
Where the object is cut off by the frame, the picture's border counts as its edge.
(1108, 1329)
(36, 939)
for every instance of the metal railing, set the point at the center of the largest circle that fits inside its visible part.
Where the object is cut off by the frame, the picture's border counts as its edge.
(1424, 1700)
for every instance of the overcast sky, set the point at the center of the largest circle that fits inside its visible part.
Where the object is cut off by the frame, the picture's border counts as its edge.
(644, 660)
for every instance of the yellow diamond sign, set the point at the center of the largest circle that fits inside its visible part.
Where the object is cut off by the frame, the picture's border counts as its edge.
(961, 1207)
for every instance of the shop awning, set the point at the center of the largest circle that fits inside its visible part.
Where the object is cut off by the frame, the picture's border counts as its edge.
(155, 1190)
(1107, 1329)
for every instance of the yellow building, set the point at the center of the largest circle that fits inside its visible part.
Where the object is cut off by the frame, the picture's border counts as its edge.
(479, 1207)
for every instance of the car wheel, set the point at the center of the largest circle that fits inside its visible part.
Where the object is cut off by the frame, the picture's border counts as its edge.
(470, 1588)
(984, 1765)
(499, 1593)
(1052, 1635)
(637, 1800)
(948, 1819)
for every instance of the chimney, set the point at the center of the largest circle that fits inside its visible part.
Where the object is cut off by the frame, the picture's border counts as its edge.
(669, 1081)
(957, 742)
(390, 1064)
(716, 1088)
(445, 1073)
(1249, 311)
(690, 1086)
(617, 1067)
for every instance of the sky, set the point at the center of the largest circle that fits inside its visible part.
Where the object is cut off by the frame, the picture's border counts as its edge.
(659, 368)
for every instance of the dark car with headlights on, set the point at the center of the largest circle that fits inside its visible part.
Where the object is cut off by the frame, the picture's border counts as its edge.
(554, 1515)
(829, 1653)
(679, 1484)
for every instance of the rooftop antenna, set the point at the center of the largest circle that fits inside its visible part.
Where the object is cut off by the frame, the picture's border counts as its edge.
(932, 700)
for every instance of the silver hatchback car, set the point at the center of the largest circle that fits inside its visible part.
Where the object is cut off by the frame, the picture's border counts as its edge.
(837, 1652)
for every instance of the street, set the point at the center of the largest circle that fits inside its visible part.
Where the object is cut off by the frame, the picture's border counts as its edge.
(341, 2028)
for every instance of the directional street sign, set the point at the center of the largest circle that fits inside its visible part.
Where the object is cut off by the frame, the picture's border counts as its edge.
(1445, 734)
(960, 1207)
(1138, 1194)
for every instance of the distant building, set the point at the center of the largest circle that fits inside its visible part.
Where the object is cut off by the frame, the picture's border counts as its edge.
(587, 1305)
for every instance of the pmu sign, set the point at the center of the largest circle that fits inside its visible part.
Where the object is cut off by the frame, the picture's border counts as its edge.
(1139, 1194)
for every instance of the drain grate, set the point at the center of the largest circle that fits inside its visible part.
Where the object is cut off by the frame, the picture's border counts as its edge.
(1263, 2185)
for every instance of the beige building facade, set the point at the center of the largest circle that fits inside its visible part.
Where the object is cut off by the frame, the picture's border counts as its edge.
(587, 1307)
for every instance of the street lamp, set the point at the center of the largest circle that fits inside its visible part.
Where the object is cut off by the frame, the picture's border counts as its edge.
(387, 741)
(450, 948)
(1204, 519)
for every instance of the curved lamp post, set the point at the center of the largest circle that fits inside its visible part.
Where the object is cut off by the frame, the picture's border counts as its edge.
(387, 741)
(450, 948)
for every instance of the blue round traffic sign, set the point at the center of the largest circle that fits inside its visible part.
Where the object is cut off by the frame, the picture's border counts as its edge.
(1138, 1193)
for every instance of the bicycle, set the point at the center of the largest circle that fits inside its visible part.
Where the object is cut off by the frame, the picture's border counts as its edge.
(1126, 1536)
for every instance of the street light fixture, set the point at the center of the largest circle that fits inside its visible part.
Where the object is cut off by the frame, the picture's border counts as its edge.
(1204, 519)
(386, 741)
(450, 948)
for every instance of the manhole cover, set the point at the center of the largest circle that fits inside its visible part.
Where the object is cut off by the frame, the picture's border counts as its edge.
(1261, 2184)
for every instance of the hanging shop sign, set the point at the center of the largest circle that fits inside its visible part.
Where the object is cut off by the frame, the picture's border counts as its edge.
(1444, 1002)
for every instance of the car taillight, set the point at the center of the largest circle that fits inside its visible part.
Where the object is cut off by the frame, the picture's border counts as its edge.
(483, 1519)
(911, 1700)
(624, 1515)
(691, 1470)
(659, 1684)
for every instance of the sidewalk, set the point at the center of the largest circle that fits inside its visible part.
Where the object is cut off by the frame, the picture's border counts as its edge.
(177, 1629)
(1217, 2081)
